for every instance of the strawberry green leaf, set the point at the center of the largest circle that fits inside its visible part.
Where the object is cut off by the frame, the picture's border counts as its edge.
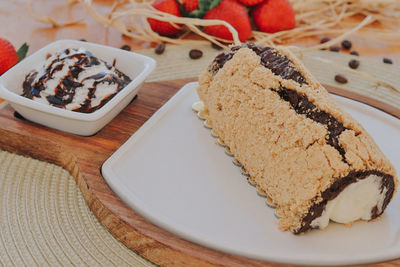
(182, 10)
(22, 51)
(214, 3)
(204, 4)
(196, 13)
(201, 11)
(193, 14)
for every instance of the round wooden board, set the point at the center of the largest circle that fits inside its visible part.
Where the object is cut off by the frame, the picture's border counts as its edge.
(84, 156)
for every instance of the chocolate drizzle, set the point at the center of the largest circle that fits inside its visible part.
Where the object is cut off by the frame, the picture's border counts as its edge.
(65, 90)
(338, 186)
(282, 66)
(270, 58)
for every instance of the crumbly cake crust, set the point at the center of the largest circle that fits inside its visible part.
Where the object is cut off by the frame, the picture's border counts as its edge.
(292, 157)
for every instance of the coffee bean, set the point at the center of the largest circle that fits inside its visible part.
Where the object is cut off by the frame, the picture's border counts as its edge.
(195, 54)
(346, 44)
(216, 46)
(126, 47)
(340, 78)
(354, 63)
(334, 48)
(354, 53)
(325, 39)
(159, 49)
(387, 60)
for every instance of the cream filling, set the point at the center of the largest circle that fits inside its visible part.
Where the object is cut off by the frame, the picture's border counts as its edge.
(198, 106)
(103, 90)
(354, 203)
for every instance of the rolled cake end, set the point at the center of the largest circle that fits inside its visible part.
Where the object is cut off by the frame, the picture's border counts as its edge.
(361, 195)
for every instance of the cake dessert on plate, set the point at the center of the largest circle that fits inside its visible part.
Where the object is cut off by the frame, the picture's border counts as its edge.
(312, 159)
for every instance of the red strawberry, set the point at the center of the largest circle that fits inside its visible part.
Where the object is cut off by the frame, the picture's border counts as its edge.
(250, 2)
(274, 16)
(162, 27)
(8, 55)
(235, 14)
(190, 5)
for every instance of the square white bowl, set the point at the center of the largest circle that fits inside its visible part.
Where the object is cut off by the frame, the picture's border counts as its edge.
(136, 66)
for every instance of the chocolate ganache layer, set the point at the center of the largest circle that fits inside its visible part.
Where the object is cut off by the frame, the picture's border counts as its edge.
(282, 66)
(315, 211)
(302, 105)
(270, 58)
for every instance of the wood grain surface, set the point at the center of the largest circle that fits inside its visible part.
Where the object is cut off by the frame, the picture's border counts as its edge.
(83, 158)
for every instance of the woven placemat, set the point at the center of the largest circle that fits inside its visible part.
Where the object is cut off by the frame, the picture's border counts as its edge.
(44, 220)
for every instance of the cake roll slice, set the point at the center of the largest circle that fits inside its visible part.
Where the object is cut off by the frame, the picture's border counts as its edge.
(313, 160)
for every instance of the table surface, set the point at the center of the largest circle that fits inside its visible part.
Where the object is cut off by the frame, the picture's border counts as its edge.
(23, 28)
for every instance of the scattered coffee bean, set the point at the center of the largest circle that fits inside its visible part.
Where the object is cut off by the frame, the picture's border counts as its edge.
(195, 54)
(354, 53)
(340, 78)
(126, 47)
(334, 48)
(82, 40)
(159, 49)
(325, 39)
(354, 63)
(216, 46)
(387, 60)
(346, 44)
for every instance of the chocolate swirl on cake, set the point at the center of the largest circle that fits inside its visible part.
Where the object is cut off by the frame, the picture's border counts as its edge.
(270, 58)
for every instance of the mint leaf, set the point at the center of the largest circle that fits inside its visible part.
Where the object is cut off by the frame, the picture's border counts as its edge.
(22, 51)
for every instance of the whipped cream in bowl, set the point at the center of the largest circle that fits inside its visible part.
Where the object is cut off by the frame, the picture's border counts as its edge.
(75, 86)
(76, 80)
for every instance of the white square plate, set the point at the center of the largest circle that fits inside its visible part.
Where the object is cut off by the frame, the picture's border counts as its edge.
(136, 66)
(172, 173)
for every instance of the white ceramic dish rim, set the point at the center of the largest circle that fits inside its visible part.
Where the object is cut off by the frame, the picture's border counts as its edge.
(14, 98)
(160, 220)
